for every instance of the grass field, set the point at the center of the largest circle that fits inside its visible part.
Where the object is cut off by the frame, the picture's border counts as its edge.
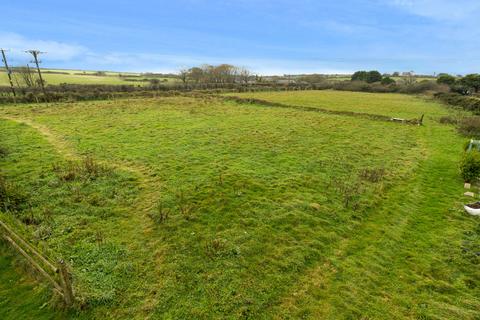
(201, 208)
(56, 76)
(393, 105)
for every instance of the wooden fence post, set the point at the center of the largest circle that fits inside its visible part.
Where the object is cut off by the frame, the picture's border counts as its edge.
(66, 283)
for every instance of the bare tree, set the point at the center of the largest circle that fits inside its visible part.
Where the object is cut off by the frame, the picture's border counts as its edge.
(183, 75)
(410, 78)
(225, 73)
(24, 77)
(243, 75)
(221, 74)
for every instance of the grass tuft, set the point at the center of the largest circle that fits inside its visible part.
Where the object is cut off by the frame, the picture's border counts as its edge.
(87, 169)
(372, 174)
(12, 197)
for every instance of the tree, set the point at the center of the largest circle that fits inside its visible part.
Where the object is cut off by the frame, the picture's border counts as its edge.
(471, 81)
(409, 78)
(220, 74)
(243, 75)
(388, 81)
(374, 76)
(24, 77)
(183, 75)
(370, 76)
(444, 78)
(359, 76)
(224, 73)
(196, 74)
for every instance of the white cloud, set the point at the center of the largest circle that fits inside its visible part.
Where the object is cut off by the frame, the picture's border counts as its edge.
(57, 51)
(441, 9)
(149, 62)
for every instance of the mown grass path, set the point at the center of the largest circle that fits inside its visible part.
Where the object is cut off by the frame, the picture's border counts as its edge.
(404, 260)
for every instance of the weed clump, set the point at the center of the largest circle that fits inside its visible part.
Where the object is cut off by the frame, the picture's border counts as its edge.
(372, 174)
(350, 193)
(11, 197)
(87, 169)
(214, 247)
(448, 120)
(160, 214)
(184, 206)
(217, 248)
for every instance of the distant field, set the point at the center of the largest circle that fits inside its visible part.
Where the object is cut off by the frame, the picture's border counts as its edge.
(58, 76)
(269, 213)
(394, 105)
(399, 78)
(88, 77)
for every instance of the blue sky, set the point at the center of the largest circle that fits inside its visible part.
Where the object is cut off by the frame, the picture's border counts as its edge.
(267, 36)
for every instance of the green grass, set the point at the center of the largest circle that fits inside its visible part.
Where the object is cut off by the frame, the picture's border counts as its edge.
(394, 105)
(88, 77)
(273, 213)
(20, 296)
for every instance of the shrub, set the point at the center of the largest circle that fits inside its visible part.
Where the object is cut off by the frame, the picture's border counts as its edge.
(359, 76)
(470, 127)
(369, 77)
(448, 120)
(461, 101)
(387, 81)
(447, 79)
(471, 81)
(352, 86)
(470, 166)
(423, 86)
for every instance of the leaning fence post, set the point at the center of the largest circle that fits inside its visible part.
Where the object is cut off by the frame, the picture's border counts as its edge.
(66, 283)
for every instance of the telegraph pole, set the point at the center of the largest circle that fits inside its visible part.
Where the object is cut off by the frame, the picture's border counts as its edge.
(35, 54)
(9, 72)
